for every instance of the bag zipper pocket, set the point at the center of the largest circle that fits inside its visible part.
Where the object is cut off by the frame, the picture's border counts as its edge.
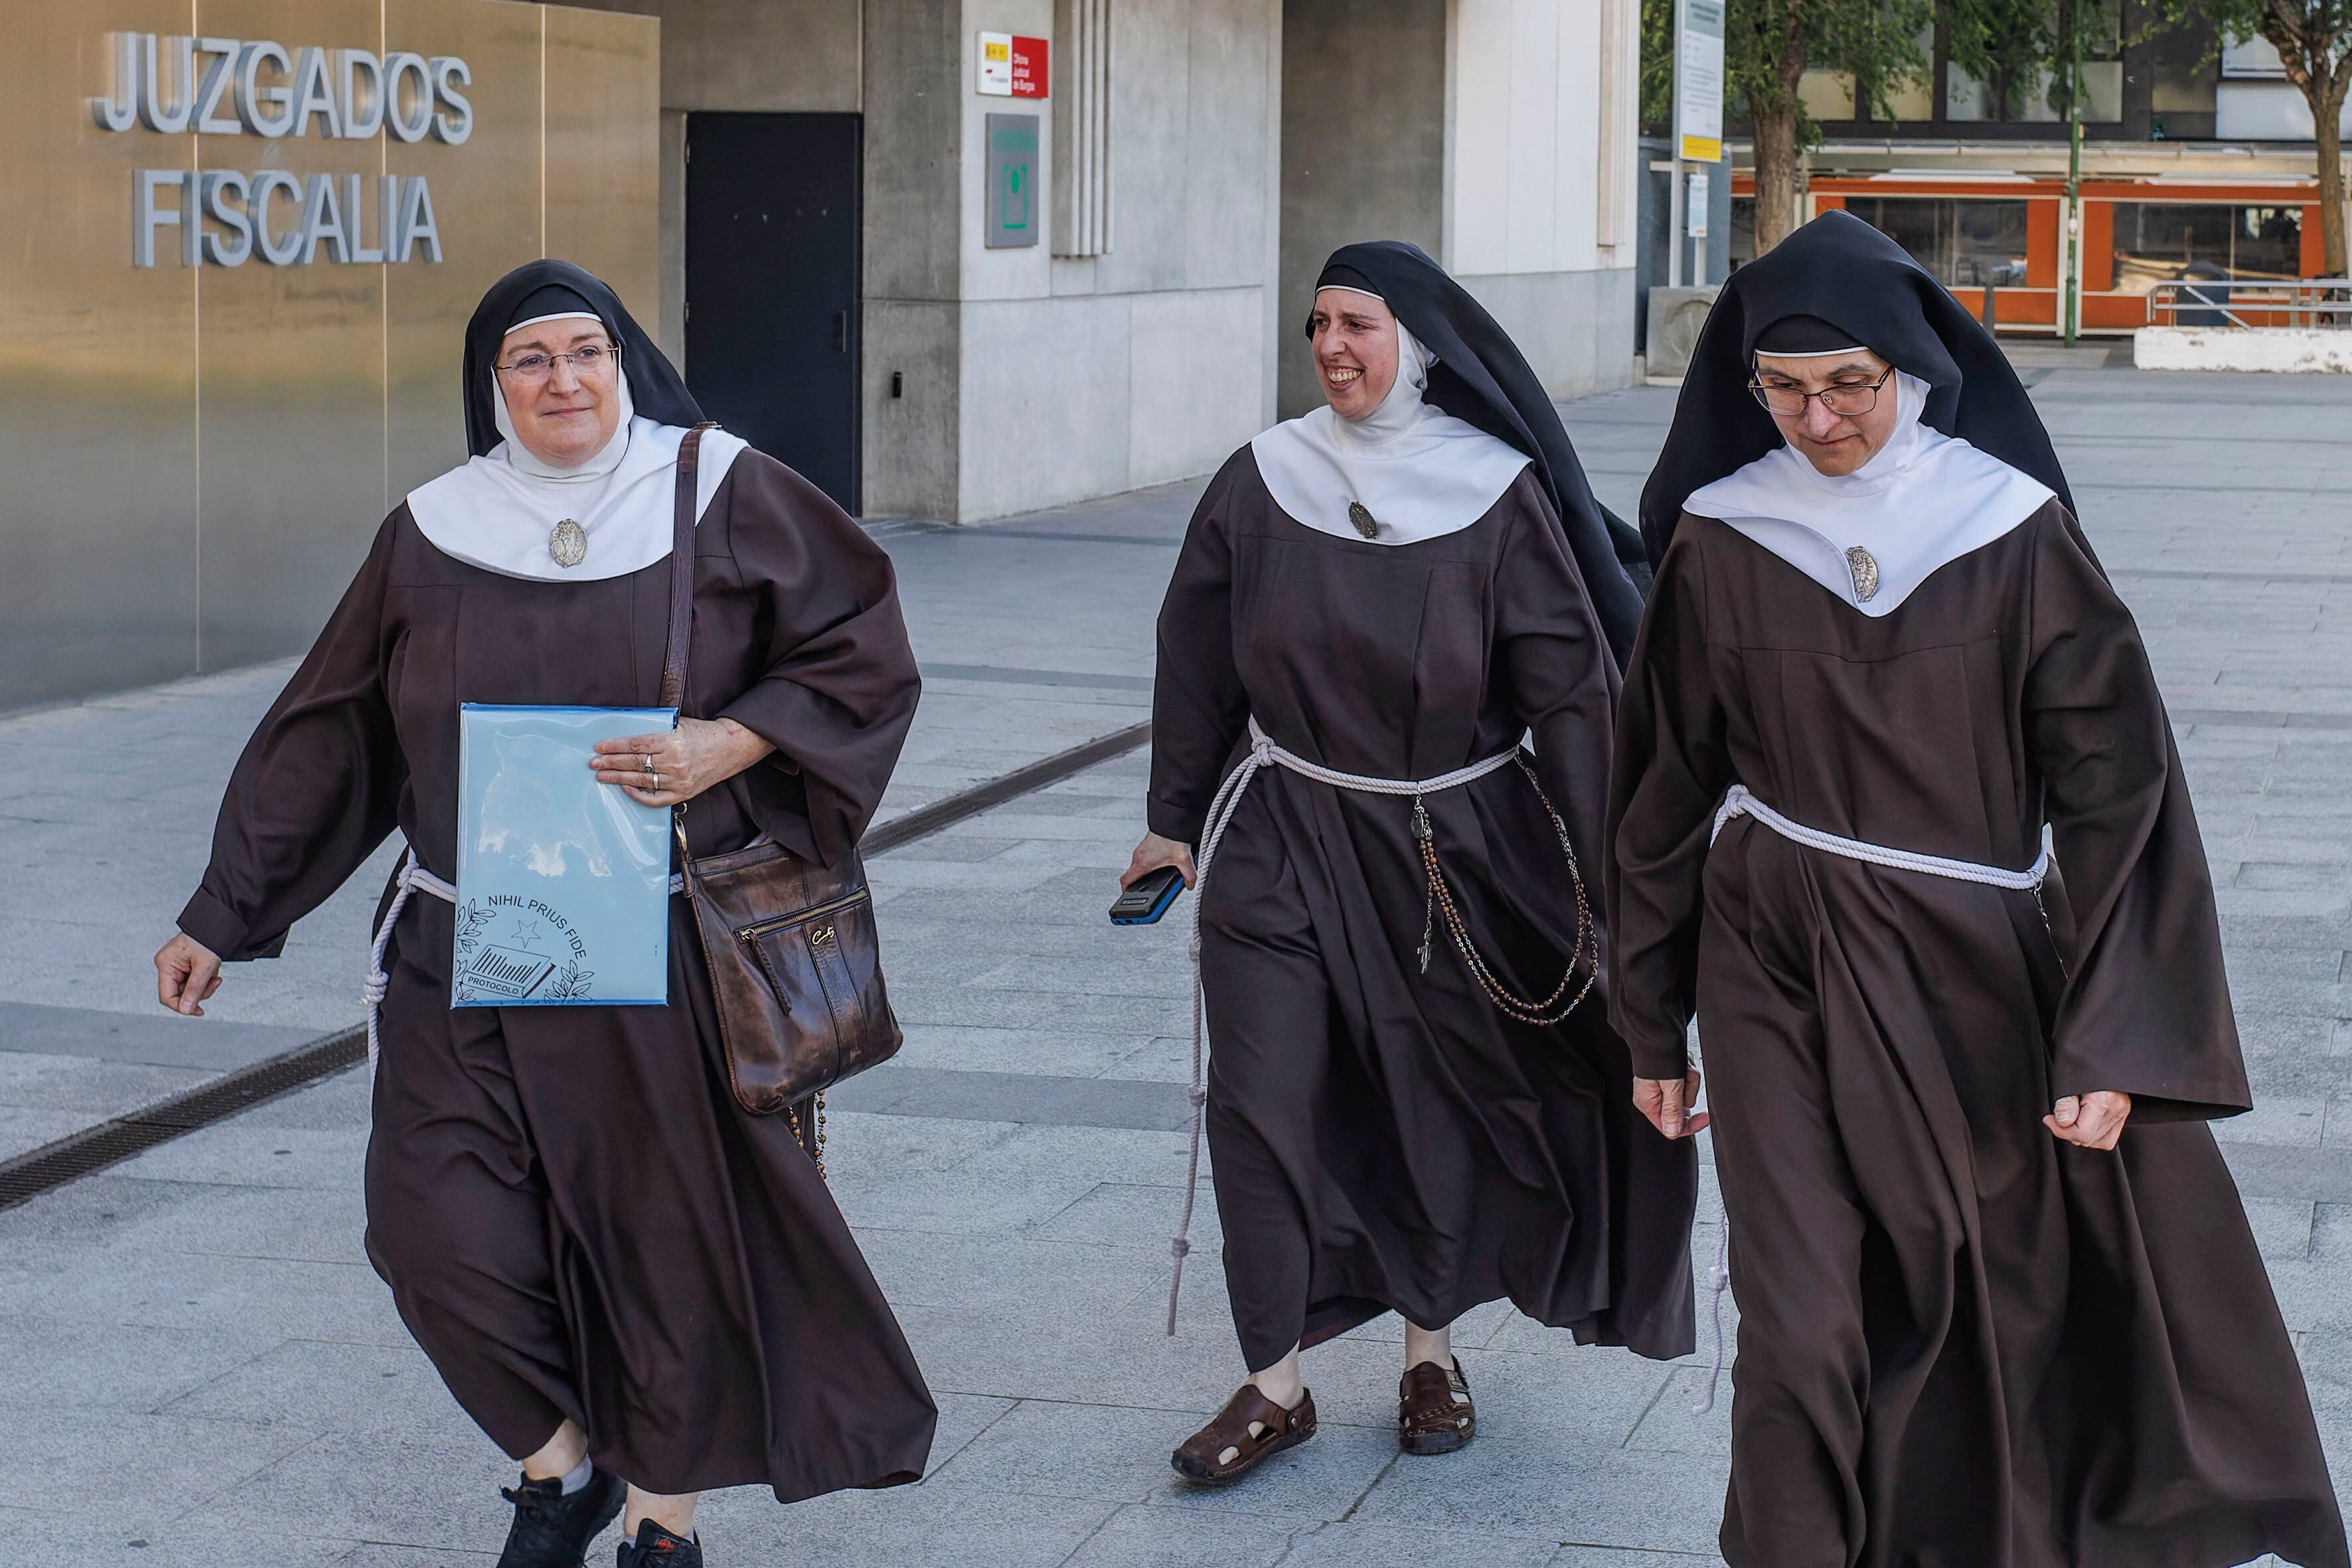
(753, 933)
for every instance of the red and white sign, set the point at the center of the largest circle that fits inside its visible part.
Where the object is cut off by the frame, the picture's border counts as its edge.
(1012, 66)
(1028, 67)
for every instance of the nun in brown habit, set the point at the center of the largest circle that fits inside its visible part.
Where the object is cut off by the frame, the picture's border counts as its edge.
(2000, 1305)
(1407, 1108)
(621, 1277)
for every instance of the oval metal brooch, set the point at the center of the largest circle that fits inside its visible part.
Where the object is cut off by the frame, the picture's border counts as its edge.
(1365, 523)
(568, 542)
(1864, 567)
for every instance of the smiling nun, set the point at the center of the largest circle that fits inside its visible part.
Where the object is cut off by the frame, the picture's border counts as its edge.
(1408, 1108)
(621, 1277)
(2000, 1306)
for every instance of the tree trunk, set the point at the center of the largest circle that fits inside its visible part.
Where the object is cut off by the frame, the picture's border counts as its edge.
(2326, 99)
(1776, 176)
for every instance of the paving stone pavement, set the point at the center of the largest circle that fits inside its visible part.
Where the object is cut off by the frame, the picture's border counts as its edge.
(197, 1355)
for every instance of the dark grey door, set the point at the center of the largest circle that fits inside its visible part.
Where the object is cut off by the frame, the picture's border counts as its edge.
(772, 275)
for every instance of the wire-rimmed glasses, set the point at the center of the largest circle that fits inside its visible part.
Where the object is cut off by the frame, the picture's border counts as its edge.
(1789, 402)
(588, 362)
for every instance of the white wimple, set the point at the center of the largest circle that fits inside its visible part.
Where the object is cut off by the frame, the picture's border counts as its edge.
(413, 878)
(1263, 751)
(1738, 802)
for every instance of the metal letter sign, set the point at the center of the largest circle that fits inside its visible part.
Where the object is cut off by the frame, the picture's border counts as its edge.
(346, 95)
(1013, 217)
(1698, 80)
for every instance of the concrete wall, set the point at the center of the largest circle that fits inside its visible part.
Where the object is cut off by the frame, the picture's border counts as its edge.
(1028, 380)
(917, 72)
(1363, 148)
(779, 56)
(1503, 145)
(1539, 179)
(2293, 350)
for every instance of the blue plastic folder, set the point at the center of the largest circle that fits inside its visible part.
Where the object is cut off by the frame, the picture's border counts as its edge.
(562, 882)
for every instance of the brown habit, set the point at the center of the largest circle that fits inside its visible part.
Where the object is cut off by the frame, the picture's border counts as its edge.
(1383, 1136)
(1962, 1344)
(574, 1217)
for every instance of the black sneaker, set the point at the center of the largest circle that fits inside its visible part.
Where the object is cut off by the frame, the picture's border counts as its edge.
(658, 1547)
(551, 1530)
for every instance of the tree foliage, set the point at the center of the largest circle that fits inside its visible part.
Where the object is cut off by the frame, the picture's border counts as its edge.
(2313, 39)
(1766, 46)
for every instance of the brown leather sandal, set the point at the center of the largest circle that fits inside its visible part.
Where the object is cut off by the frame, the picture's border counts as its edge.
(1435, 1415)
(1249, 1430)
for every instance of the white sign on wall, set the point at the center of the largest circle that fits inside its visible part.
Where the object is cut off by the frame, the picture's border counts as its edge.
(996, 64)
(1698, 80)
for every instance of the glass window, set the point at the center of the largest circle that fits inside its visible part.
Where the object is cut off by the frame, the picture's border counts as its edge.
(1826, 94)
(1967, 242)
(2159, 241)
(2182, 88)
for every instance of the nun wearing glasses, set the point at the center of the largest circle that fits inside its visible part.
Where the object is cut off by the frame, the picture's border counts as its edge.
(2000, 1305)
(1413, 1100)
(637, 1291)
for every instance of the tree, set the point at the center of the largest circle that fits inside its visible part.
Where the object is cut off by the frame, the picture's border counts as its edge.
(2314, 39)
(1766, 46)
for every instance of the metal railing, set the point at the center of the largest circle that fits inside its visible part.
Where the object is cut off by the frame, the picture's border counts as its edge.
(2251, 302)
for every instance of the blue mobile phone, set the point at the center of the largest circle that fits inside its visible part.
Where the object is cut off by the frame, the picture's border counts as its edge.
(1145, 899)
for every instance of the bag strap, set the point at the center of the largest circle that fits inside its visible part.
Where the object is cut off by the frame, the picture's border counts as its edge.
(681, 571)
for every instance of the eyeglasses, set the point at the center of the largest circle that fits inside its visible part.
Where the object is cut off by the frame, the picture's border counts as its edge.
(1789, 402)
(587, 361)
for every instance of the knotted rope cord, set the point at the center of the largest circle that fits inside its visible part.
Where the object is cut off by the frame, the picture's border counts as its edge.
(1228, 798)
(1718, 1280)
(1738, 802)
(413, 878)
(410, 877)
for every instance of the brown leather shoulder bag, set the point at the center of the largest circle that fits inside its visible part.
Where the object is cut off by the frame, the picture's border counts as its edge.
(795, 964)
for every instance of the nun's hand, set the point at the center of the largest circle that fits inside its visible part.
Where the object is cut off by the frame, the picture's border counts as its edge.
(187, 973)
(1666, 1101)
(677, 764)
(2093, 1120)
(1155, 852)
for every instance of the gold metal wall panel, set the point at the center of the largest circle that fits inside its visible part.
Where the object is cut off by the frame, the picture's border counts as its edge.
(193, 459)
(604, 150)
(486, 197)
(291, 376)
(97, 434)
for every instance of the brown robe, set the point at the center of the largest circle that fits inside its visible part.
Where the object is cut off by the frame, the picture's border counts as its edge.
(1963, 1344)
(1383, 1136)
(574, 1217)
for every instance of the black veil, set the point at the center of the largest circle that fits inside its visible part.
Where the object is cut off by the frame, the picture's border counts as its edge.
(655, 386)
(1840, 270)
(1480, 378)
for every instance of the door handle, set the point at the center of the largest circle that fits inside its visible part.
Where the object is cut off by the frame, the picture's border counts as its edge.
(841, 332)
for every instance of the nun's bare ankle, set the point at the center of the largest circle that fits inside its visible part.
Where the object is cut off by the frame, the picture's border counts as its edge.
(673, 1513)
(559, 1456)
(1280, 1381)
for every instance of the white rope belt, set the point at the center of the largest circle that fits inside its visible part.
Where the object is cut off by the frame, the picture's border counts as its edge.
(1263, 751)
(1738, 802)
(414, 878)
